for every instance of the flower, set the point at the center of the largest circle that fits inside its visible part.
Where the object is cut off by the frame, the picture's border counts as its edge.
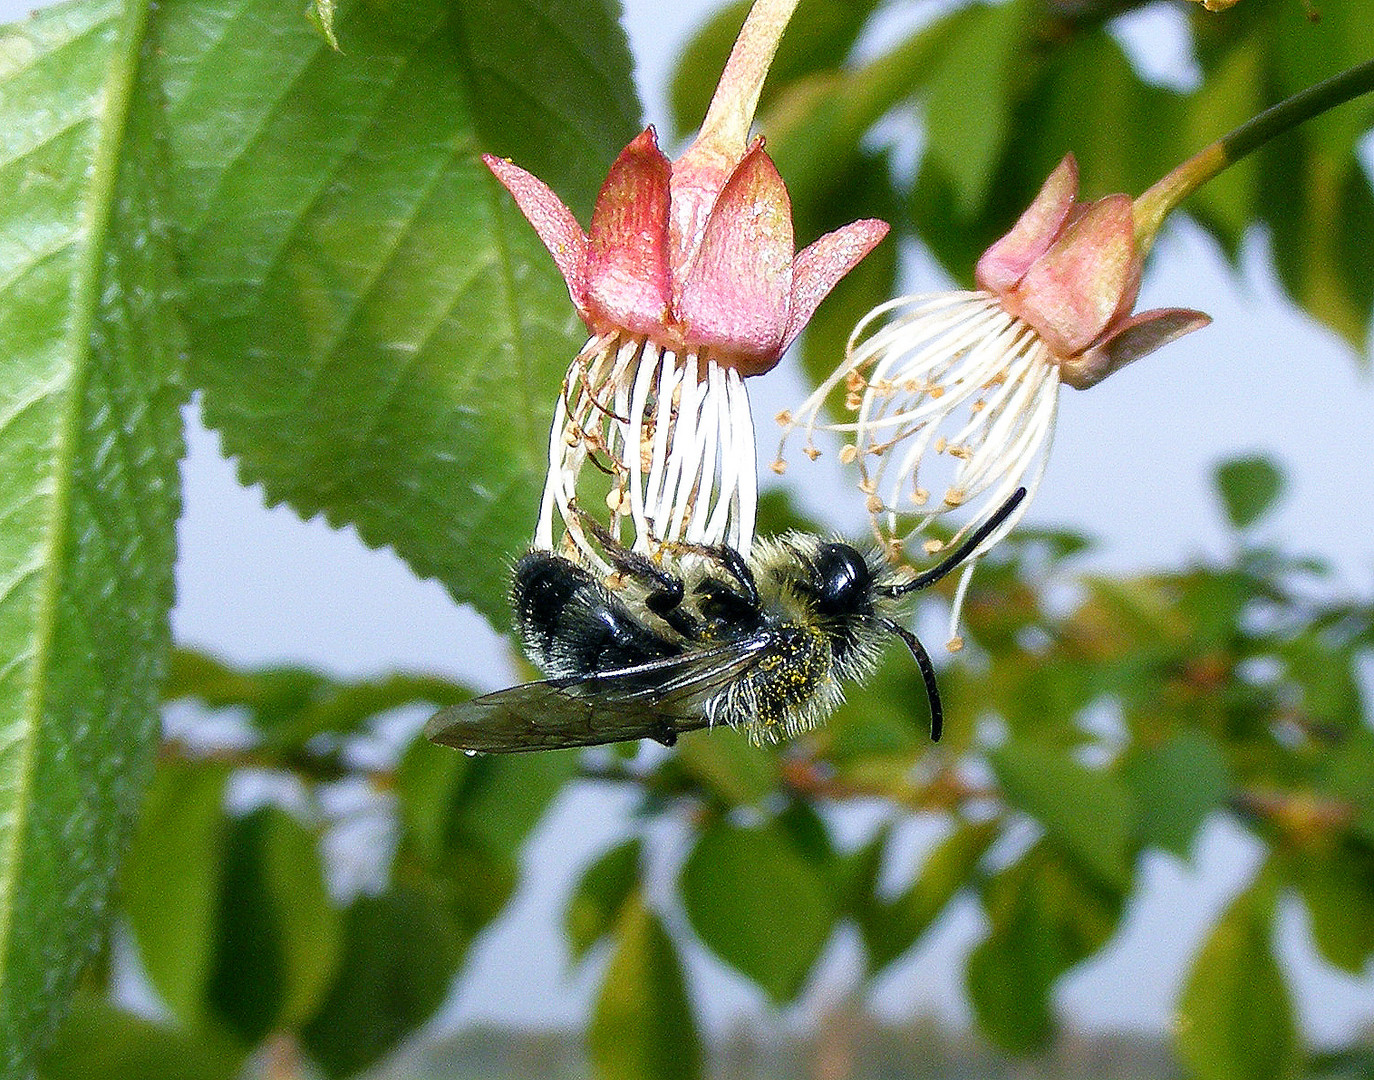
(966, 384)
(688, 282)
(1071, 271)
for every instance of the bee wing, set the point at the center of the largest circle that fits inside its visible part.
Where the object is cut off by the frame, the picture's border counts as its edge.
(656, 700)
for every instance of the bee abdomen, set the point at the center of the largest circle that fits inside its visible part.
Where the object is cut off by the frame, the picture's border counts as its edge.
(572, 625)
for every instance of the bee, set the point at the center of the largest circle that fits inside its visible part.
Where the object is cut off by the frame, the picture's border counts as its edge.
(764, 645)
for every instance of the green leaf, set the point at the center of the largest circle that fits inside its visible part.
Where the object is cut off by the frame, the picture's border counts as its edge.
(733, 886)
(1038, 696)
(1134, 615)
(1046, 93)
(727, 765)
(1305, 53)
(954, 242)
(806, 829)
(817, 126)
(400, 953)
(779, 513)
(345, 707)
(279, 935)
(1088, 98)
(1210, 603)
(1348, 1063)
(1307, 186)
(89, 439)
(427, 782)
(600, 895)
(890, 927)
(1046, 916)
(642, 1026)
(1174, 787)
(1009, 979)
(972, 94)
(171, 880)
(1087, 811)
(1321, 208)
(884, 717)
(98, 1041)
(474, 883)
(1327, 674)
(311, 925)
(375, 331)
(552, 88)
(194, 674)
(1248, 488)
(247, 984)
(505, 795)
(272, 696)
(1349, 775)
(291, 705)
(463, 821)
(1338, 888)
(1235, 1016)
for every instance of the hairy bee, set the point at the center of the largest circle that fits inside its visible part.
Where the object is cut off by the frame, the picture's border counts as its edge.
(764, 645)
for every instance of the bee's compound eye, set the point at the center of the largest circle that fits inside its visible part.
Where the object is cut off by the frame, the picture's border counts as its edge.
(841, 580)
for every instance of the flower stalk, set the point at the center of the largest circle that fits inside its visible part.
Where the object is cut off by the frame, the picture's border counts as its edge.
(1155, 204)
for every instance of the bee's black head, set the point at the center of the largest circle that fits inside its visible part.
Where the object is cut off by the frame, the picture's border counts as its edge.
(841, 582)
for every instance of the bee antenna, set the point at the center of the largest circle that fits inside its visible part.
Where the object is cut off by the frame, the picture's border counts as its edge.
(935, 573)
(937, 712)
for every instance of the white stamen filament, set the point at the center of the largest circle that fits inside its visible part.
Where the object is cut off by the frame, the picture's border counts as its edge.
(669, 377)
(677, 491)
(671, 439)
(708, 438)
(745, 500)
(643, 381)
(949, 377)
(729, 463)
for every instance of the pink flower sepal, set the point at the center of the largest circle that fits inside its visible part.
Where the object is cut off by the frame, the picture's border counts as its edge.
(1072, 271)
(697, 256)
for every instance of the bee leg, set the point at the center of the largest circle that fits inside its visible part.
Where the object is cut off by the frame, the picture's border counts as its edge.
(664, 732)
(665, 604)
(723, 603)
(731, 560)
(666, 591)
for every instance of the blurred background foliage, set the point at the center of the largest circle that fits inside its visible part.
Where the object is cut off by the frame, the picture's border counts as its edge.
(307, 876)
(1080, 736)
